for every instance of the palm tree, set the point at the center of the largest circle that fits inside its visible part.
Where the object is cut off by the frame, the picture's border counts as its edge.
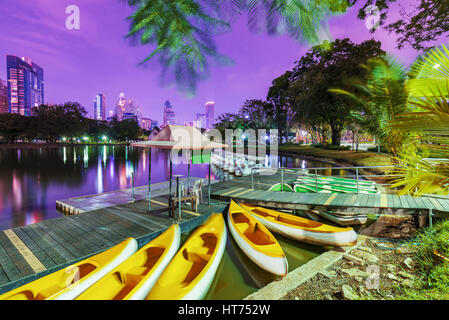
(182, 31)
(430, 118)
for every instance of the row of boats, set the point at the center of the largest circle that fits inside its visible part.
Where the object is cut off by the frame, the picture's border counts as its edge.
(309, 183)
(239, 165)
(161, 270)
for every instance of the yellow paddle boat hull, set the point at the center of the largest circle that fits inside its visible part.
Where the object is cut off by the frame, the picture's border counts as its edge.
(192, 270)
(134, 278)
(256, 241)
(70, 282)
(302, 229)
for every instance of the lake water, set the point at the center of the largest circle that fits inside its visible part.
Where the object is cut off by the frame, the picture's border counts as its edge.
(32, 179)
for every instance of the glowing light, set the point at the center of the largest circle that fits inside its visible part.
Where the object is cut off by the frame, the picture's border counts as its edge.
(64, 139)
(85, 138)
(105, 138)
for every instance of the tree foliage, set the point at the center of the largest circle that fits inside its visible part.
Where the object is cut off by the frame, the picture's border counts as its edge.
(322, 69)
(51, 123)
(182, 31)
(425, 23)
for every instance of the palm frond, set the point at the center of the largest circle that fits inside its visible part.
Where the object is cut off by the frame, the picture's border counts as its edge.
(419, 176)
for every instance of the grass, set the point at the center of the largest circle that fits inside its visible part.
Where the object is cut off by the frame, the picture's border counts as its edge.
(433, 270)
(361, 158)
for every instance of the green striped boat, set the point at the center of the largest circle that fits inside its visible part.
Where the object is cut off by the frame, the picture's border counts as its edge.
(281, 187)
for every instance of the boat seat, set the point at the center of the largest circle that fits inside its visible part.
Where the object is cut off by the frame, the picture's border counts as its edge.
(195, 256)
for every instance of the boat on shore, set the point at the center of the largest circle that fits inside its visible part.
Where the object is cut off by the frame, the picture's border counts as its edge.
(256, 241)
(70, 282)
(192, 270)
(340, 219)
(134, 278)
(302, 229)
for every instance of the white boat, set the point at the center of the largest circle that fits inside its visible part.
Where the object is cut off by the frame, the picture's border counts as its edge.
(341, 219)
(134, 278)
(192, 270)
(302, 229)
(256, 241)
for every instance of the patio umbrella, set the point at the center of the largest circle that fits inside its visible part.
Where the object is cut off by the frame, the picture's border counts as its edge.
(174, 137)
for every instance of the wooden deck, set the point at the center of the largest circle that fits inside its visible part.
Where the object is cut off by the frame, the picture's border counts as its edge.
(240, 189)
(108, 199)
(32, 251)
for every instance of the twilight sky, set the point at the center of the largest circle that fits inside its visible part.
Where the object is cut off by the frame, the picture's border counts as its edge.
(78, 64)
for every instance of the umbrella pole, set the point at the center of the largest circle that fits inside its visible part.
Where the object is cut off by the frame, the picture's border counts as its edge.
(170, 187)
(149, 179)
(208, 185)
(188, 176)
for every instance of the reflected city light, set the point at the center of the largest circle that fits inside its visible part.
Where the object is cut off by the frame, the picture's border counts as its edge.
(64, 154)
(86, 157)
(111, 168)
(99, 184)
(104, 156)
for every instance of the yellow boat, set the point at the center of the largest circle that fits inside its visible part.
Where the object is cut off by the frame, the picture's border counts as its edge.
(192, 270)
(134, 278)
(256, 240)
(68, 283)
(302, 229)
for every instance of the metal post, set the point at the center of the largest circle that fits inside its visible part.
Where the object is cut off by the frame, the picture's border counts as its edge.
(208, 188)
(430, 218)
(149, 179)
(132, 187)
(357, 177)
(252, 179)
(188, 176)
(282, 179)
(179, 198)
(169, 189)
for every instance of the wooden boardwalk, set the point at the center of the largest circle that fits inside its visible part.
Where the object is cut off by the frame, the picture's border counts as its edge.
(241, 190)
(108, 199)
(35, 250)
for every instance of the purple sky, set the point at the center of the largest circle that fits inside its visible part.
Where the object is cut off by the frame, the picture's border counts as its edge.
(78, 64)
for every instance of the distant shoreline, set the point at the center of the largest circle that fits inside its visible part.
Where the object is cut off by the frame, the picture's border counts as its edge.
(54, 145)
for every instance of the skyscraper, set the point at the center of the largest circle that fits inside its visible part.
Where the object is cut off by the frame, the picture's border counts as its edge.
(3, 97)
(169, 114)
(100, 107)
(120, 108)
(200, 121)
(210, 106)
(25, 85)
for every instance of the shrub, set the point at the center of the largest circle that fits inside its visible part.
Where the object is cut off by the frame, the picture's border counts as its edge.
(329, 146)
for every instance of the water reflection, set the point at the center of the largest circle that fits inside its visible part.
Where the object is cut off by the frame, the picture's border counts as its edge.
(32, 179)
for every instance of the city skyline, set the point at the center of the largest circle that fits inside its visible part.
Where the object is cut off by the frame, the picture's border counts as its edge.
(100, 60)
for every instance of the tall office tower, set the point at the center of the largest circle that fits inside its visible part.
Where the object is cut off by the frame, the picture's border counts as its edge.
(210, 106)
(100, 107)
(120, 108)
(169, 114)
(3, 97)
(134, 108)
(146, 124)
(111, 116)
(200, 121)
(25, 85)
